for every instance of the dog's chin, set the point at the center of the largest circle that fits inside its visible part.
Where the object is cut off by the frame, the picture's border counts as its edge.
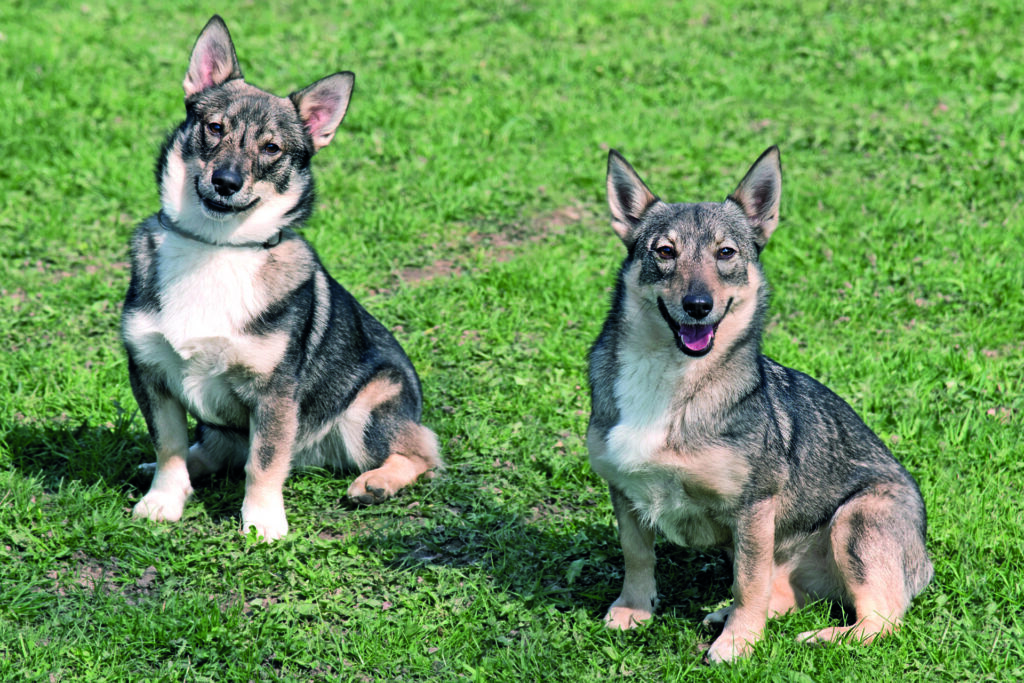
(218, 211)
(214, 213)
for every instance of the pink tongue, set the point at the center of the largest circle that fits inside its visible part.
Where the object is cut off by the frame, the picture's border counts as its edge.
(696, 337)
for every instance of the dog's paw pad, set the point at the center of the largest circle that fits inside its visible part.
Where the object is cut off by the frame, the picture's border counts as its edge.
(811, 638)
(862, 633)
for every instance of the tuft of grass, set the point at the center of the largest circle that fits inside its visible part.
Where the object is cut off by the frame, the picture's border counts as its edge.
(463, 202)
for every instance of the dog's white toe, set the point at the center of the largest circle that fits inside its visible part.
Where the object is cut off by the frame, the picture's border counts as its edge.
(728, 647)
(269, 522)
(625, 618)
(160, 506)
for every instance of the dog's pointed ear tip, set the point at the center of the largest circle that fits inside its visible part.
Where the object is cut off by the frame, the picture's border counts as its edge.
(346, 77)
(216, 21)
(617, 163)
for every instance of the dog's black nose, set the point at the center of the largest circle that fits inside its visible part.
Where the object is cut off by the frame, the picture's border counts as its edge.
(226, 181)
(698, 305)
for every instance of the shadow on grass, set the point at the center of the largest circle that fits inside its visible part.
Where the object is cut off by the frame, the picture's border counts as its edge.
(88, 453)
(544, 565)
(542, 562)
(109, 454)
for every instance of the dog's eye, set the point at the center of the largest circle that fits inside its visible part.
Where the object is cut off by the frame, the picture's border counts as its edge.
(271, 148)
(215, 128)
(666, 252)
(726, 253)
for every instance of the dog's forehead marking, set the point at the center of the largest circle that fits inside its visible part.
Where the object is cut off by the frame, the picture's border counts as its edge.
(694, 227)
(251, 114)
(246, 105)
(690, 227)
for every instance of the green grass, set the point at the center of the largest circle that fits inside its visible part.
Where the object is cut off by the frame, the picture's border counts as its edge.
(463, 202)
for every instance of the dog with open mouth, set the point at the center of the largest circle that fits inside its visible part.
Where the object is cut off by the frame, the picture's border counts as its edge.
(707, 441)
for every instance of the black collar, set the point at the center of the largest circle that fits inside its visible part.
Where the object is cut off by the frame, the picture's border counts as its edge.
(170, 226)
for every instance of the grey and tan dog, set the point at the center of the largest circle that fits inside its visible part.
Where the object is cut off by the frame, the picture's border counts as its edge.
(706, 440)
(231, 317)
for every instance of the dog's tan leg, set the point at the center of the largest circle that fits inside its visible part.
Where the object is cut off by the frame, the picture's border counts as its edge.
(752, 584)
(171, 485)
(635, 604)
(415, 452)
(273, 426)
(875, 618)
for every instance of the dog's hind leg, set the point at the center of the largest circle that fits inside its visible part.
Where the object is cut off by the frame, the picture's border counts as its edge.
(414, 451)
(877, 542)
(216, 449)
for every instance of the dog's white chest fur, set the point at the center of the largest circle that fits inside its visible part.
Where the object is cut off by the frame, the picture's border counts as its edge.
(207, 292)
(638, 461)
(208, 295)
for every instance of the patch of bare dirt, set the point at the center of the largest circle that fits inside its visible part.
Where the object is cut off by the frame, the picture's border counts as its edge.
(90, 574)
(500, 246)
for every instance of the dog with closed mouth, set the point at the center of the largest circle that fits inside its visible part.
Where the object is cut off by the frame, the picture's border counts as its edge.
(230, 317)
(706, 440)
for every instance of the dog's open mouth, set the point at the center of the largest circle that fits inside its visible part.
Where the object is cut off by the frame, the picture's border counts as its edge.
(697, 339)
(693, 340)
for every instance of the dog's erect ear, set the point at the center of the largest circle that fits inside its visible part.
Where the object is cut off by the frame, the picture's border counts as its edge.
(759, 192)
(322, 106)
(628, 197)
(213, 59)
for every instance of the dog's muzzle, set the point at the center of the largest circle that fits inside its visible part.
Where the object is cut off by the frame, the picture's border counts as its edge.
(693, 340)
(218, 207)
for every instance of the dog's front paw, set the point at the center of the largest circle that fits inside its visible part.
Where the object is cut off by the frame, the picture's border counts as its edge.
(160, 506)
(147, 469)
(727, 648)
(269, 522)
(625, 618)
